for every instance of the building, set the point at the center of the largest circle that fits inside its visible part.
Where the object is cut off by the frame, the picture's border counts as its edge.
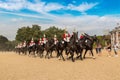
(115, 36)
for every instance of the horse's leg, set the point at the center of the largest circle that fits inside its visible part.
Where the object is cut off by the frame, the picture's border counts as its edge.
(67, 53)
(62, 55)
(46, 54)
(58, 53)
(19, 51)
(78, 52)
(72, 55)
(41, 53)
(25, 52)
(85, 53)
(34, 54)
(81, 54)
(51, 53)
(92, 54)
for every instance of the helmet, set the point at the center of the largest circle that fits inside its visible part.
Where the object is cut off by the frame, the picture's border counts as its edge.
(83, 33)
(74, 30)
(55, 35)
(44, 35)
(25, 41)
(32, 40)
(40, 39)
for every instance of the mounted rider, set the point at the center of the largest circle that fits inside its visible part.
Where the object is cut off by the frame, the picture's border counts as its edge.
(86, 37)
(81, 36)
(19, 45)
(24, 44)
(31, 43)
(55, 39)
(75, 32)
(44, 39)
(40, 42)
(66, 36)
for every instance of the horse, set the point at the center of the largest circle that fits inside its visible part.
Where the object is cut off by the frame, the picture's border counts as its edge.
(60, 46)
(72, 45)
(49, 48)
(89, 41)
(24, 49)
(40, 50)
(32, 50)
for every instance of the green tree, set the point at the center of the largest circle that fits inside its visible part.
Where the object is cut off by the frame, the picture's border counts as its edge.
(51, 31)
(26, 33)
(3, 41)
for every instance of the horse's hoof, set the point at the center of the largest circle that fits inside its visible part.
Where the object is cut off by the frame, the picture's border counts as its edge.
(63, 59)
(59, 58)
(93, 57)
(81, 59)
(73, 60)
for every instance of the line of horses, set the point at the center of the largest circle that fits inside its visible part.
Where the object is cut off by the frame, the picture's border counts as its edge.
(75, 45)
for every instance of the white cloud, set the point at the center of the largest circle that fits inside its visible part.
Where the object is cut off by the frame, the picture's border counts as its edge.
(92, 24)
(82, 7)
(16, 19)
(13, 4)
(43, 7)
(53, 6)
(24, 15)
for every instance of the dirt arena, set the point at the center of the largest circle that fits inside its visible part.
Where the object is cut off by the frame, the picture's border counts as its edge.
(20, 67)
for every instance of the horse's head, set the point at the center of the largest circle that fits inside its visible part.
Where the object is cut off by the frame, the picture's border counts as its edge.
(51, 41)
(74, 37)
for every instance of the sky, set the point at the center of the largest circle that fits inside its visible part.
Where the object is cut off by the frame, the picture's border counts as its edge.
(90, 16)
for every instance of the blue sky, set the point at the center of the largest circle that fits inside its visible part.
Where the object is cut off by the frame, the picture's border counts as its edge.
(90, 16)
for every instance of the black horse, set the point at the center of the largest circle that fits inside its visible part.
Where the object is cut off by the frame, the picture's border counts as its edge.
(72, 45)
(60, 46)
(40, 50)
(32, 49)
(89, 41)
(49, 48)
(24, 49)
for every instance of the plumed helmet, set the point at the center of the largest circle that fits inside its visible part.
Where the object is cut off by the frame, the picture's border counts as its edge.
(32, 39)
(83, 33)
(55, 35)
(74, 30)
(40, 39)
(44, 35)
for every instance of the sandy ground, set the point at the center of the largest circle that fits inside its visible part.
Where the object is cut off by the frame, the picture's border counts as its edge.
(20, 67)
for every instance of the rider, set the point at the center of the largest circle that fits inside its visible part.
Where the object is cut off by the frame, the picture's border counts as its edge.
(81, 36)
(24, 44)
(66, 36)
(55, 39)
(40, 42)
(44, 39)
(32, 42)
(19, 45)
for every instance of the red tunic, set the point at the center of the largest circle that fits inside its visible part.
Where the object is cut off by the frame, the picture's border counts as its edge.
(81, 37)
(64, 35)
(68, 35)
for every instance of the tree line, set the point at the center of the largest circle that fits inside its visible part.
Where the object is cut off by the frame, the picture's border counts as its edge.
(35, 32)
